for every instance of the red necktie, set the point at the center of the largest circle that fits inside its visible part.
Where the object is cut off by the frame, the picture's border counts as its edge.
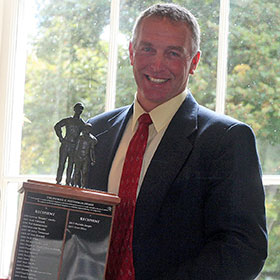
(120, 259)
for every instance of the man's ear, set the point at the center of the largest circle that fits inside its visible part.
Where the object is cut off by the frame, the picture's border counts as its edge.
(131, 55)
(194, 63)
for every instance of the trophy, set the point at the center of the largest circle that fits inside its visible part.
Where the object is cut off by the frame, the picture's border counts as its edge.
(77, 148)
(64, 230)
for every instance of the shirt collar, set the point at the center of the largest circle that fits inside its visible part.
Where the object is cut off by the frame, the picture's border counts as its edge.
(162, 114)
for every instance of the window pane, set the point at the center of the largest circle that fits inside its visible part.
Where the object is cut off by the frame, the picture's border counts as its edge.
(203, 83)
(253, 93)
(271, 269)
(66, 63)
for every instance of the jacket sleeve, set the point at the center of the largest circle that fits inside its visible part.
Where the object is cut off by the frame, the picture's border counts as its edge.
(234, 213)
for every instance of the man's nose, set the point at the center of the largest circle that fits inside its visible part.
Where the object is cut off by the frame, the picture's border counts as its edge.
(157, 62)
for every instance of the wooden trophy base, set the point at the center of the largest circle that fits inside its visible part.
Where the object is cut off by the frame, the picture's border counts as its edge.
(64, 232)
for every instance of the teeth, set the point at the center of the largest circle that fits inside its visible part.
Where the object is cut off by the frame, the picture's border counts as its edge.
(159, 81)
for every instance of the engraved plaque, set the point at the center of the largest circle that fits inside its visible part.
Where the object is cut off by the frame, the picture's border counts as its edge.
(63, 234)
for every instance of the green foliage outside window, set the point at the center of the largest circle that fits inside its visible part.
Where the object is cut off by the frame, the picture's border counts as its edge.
(253, 93)
(67, 62)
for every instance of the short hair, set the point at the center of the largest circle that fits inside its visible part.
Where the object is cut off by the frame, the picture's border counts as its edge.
(79, 105)
(174, 13)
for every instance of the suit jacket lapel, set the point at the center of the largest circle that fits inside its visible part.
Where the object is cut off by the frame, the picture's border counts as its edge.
(108, 141)
(171, 153)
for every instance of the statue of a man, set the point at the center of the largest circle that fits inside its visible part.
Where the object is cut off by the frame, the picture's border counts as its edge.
(84, 156)
(73, 126)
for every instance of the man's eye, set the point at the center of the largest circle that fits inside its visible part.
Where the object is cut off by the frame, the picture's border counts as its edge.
(147, 49)
(174, 54)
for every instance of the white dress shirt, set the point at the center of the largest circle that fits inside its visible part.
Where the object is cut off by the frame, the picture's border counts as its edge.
(161, 117)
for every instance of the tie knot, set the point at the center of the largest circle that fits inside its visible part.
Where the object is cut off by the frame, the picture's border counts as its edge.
(145, 119)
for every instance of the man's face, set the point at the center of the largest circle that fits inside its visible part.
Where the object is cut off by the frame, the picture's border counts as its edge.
(161, 60)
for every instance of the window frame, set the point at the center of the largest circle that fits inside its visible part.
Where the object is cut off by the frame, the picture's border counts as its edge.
(11, 105)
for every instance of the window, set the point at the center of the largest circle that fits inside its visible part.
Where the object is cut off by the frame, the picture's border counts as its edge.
(54, 53)
(253, 82)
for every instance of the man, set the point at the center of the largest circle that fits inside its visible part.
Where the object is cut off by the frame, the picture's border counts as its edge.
(200, 202)
(73, 126)
(84, 156)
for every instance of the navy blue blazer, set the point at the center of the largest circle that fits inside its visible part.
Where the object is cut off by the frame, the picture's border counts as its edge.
(200, 212)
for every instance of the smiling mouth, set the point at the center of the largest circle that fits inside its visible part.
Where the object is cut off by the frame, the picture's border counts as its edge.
(156, 80)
